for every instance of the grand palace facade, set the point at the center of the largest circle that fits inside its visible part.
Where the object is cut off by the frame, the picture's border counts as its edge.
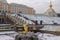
(15, 8)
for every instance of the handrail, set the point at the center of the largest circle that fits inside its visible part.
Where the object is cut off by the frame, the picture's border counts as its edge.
(25, 18)
(13, 18)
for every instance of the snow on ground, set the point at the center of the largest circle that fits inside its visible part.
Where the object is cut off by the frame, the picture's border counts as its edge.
(8, 32)
(5, 37)
(48, 37)
(8, 35)
(51, 27)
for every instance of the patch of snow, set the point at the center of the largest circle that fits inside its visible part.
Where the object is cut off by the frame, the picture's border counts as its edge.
(8, 32)
(4, 37)
(48, 37)
(51, 27)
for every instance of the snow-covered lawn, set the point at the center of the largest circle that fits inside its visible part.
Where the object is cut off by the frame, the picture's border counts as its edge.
(8, 35)
(5, 37)
(48, 37)
(41, 36)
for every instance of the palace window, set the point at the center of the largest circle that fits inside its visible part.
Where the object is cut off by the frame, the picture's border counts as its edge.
(1, 21)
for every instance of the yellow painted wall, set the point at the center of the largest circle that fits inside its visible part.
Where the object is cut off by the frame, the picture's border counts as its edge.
(16, 9)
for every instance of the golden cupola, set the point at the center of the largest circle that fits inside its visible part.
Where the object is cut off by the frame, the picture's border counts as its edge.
(50, 11)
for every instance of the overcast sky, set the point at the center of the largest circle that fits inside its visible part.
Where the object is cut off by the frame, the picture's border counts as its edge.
(39, 5)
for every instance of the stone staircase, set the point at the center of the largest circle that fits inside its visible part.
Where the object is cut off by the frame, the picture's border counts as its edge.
(6, 27)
